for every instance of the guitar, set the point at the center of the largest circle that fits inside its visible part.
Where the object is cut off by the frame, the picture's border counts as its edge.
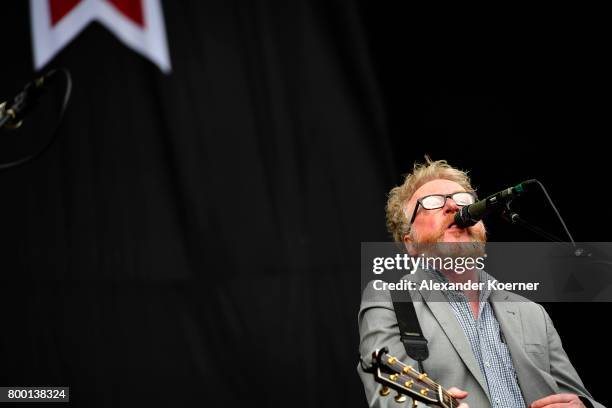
(392, 374)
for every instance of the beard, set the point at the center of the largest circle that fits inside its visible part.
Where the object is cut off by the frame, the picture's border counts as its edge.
(433, 244)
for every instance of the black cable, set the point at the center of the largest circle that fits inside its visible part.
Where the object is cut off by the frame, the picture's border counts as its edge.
(552, 204)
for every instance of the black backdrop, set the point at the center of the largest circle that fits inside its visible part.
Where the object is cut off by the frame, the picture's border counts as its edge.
(193, 239)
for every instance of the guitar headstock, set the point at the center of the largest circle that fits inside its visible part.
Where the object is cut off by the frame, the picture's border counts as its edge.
(392, 374)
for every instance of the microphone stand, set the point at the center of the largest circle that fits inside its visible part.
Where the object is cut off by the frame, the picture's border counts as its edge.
(511, 216)
(594, 257)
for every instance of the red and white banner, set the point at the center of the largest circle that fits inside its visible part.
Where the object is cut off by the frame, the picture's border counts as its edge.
(139, 24)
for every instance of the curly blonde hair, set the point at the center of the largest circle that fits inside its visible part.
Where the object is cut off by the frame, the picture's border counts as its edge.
(396, 210)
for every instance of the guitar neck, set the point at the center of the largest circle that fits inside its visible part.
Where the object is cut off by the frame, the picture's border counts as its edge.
(394, 374)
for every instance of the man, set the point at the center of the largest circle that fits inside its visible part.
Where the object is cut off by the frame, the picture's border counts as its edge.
(492, 347)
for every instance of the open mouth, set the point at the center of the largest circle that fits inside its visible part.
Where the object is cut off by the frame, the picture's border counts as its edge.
(452, 224)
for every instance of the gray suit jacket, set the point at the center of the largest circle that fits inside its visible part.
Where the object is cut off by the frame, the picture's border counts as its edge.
(541, 364)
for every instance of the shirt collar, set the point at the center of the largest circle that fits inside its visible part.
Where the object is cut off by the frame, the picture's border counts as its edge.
(458, 295)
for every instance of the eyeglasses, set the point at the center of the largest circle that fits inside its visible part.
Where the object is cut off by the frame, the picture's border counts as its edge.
(434, 201)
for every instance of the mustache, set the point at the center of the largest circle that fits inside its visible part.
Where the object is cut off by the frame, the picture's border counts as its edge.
(476, 233)
(448, 221)
(472, 231)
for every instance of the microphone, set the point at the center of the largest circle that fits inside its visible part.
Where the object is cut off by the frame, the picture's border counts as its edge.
(471, 214)
(12, 117)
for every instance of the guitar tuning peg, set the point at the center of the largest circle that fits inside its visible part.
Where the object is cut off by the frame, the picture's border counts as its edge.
(415, 404)
(399, 398)
(384, 391)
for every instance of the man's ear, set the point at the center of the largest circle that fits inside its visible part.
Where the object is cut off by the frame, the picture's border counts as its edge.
(408, 243)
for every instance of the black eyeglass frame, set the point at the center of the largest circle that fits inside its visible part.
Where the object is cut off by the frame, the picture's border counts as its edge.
(446, 197)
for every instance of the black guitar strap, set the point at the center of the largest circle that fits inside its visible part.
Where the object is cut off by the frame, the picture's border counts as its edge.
(411, 334)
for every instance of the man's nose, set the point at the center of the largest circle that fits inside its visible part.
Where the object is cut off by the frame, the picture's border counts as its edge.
(451, 206)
